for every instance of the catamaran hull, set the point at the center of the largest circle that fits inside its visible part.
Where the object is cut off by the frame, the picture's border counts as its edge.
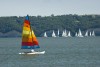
(30, 53)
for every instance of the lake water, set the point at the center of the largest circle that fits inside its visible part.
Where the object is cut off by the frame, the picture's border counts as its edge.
(60, 52)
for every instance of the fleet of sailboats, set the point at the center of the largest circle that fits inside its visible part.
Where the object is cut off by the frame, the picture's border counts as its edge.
(89, 33)
(68, 34)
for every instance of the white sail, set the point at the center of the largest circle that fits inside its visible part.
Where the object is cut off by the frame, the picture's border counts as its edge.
(45, 34)
(93, 34)
(90, 34)
(76, 34)
(80, 33)
(69, 34)
(53, 34)
(64, 34)
(86, 34)
(58, 32)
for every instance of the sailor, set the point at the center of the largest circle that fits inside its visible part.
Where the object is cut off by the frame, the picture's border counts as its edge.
(32, 50)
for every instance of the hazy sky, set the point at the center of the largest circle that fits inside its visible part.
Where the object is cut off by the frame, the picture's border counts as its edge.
(48, 7)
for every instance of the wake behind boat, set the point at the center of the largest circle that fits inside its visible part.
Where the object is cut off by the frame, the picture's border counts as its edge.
(29, 53)
(29, 40)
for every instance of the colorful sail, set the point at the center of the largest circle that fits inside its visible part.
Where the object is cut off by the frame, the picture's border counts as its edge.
(29, 40)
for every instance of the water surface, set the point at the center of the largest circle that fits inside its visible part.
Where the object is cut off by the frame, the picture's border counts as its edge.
(60, 52)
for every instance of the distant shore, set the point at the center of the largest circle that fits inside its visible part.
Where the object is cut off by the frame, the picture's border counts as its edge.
(12, 26)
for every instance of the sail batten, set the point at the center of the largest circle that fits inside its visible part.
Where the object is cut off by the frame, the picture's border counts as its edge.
(29, 40)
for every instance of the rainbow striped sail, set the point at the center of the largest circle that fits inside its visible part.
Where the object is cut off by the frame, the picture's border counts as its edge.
(29, 40)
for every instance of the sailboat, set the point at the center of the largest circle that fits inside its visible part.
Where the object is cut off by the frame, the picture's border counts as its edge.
(58, 32)
(69, 34)
(64, 34)
(45, 34)
(90, 34)
(29, 40)
(76, 34)
(80, 33)
(53, 34)
(86, 34)
(93, 34)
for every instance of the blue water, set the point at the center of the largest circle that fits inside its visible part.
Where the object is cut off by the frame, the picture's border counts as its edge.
(60, 52)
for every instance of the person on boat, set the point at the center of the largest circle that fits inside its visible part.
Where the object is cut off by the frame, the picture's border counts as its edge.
(32, 51)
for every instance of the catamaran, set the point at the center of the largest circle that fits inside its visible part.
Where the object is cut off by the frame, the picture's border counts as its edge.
(29, 40)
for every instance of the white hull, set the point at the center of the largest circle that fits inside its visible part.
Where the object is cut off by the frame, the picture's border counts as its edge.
(30, 53)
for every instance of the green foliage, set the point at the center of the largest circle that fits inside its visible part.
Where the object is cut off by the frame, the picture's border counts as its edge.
(47, 23)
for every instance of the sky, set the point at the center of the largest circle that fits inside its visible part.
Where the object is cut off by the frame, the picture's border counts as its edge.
(48, 7)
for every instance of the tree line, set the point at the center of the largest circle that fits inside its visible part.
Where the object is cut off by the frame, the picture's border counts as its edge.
(40, 24)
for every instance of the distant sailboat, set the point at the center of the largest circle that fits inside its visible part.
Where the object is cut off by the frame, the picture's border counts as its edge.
(80, 33)
(58, 32)
(53, 34)
(90, 34)
(76, 34)
(29, 40)
(69, 34)
(93, 34)
(86, 34)
(45, 34)
(64, 34)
